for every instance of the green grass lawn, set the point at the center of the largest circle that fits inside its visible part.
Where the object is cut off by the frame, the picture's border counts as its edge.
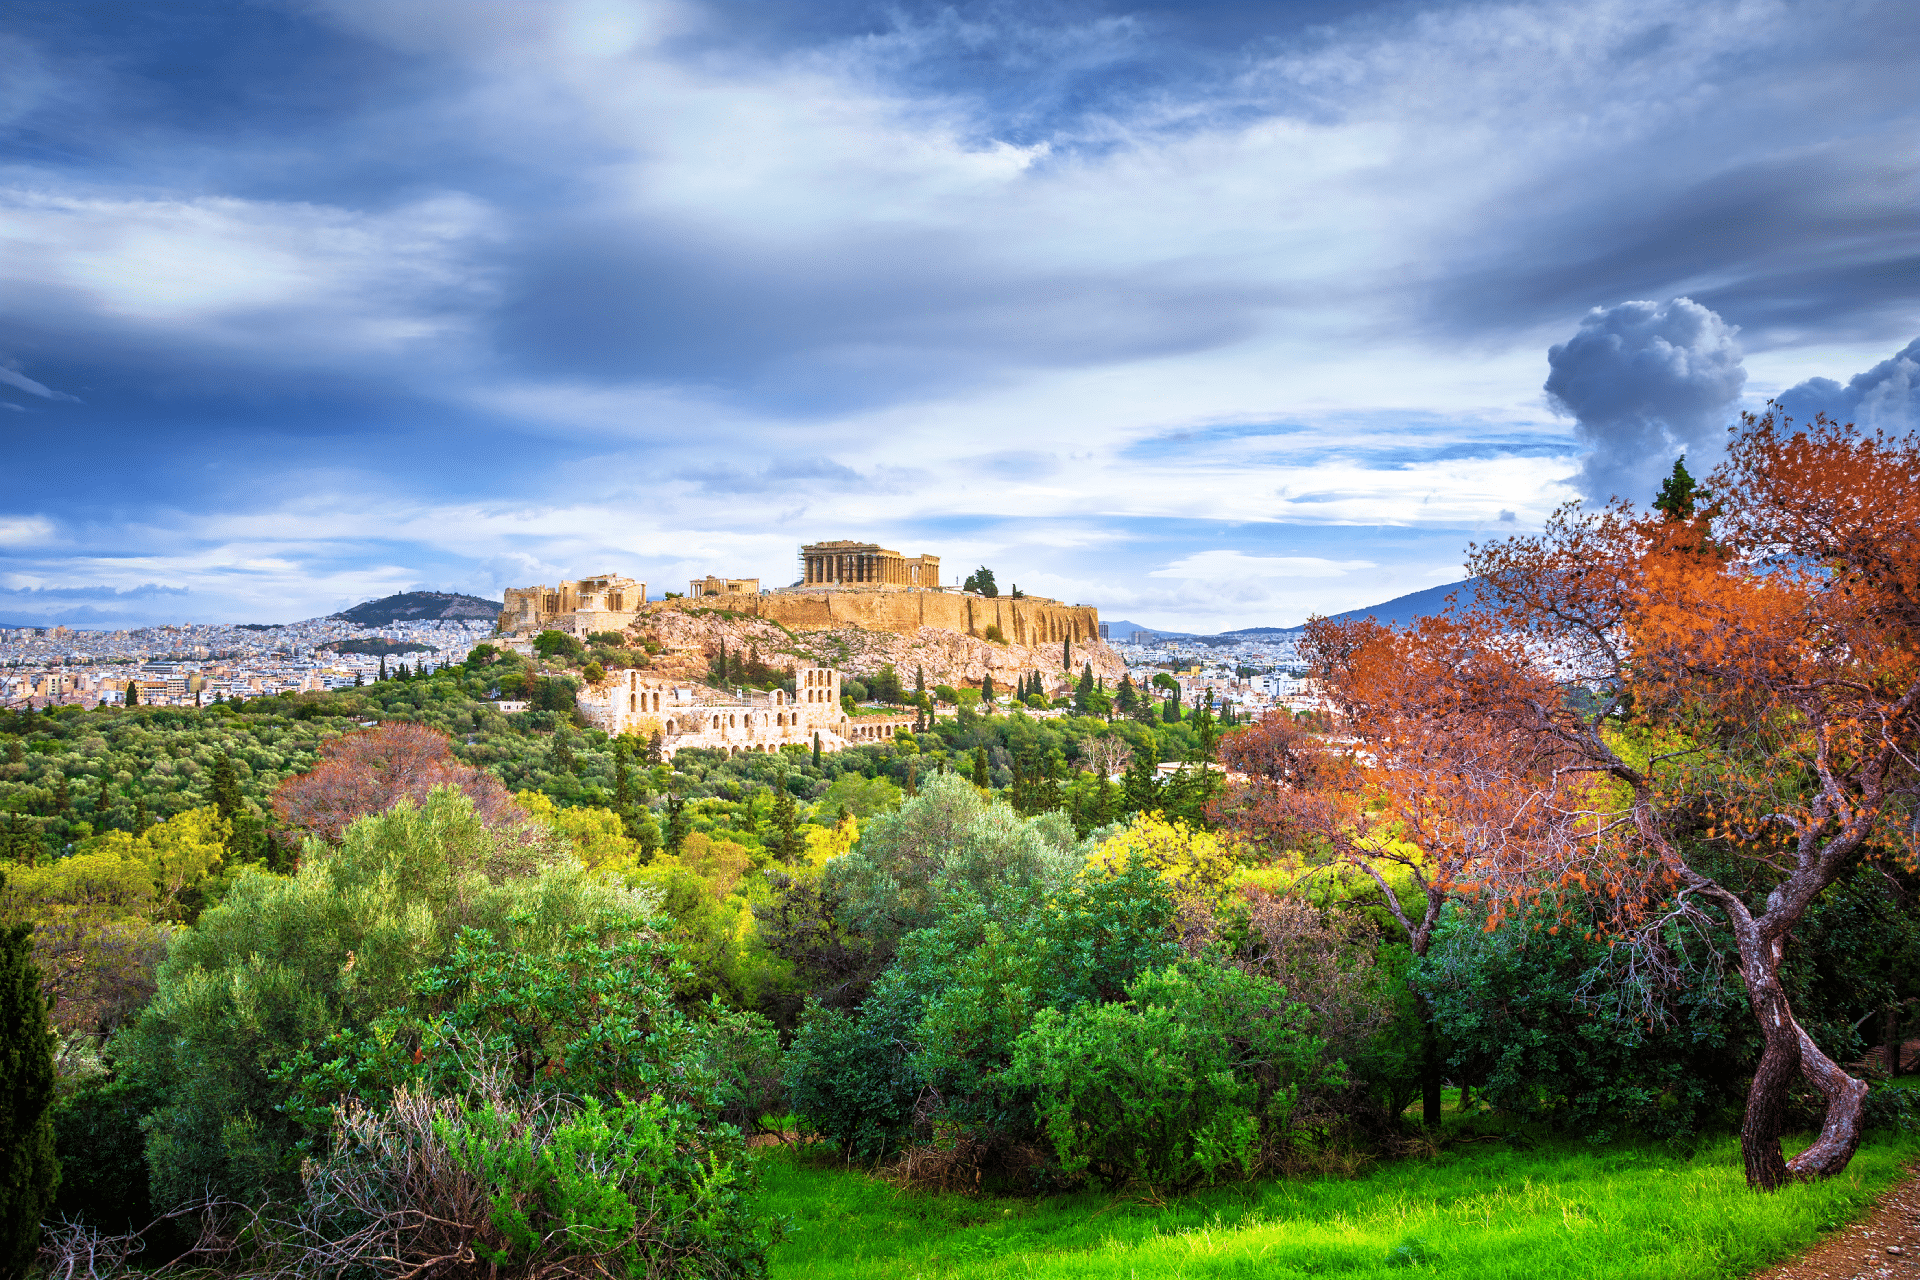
(1560, 1210)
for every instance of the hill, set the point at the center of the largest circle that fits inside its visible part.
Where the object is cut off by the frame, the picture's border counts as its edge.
(419, 606)
(1397, 612)
(1402, 610)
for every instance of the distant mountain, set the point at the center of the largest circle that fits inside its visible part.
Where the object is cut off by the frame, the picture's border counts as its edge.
(1403, 610)
(419, 606)
(1397, 612)
(1122, 630)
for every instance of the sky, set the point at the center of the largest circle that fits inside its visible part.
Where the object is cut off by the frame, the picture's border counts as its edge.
(1212, 315)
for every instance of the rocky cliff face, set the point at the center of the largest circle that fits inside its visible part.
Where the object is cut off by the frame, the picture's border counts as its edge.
(840, 632)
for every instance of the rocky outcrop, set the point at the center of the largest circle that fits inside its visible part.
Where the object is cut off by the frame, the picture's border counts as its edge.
(857, 632)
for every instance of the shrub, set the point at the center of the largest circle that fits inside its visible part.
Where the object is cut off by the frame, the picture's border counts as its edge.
(286, 962)
(499, 1183)
(1191, 1081)
(1551, 1030)
(852, 1078)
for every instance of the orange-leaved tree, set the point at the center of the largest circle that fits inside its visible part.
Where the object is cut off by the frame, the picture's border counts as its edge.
(1716, 707)
(1415, 790)
(366, 772)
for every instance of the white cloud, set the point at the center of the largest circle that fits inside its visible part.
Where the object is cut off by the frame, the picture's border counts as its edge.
(1219, 566)
(25, 531)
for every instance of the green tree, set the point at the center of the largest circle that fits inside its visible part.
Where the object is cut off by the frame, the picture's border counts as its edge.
(1678, 493)
(133, 696)
(286, 962)
(29, 1170)
(981, 582)
(981, 778)
(986, 691)
(1066, 653)
(225, 788)
(787, 844)
(1083, 692)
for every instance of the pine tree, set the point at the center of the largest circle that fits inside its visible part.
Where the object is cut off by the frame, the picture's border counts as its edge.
(133, 696)
(1125, 698)
(356, 680)
(981, 778)
(1083, 692)
(1678, 493)
(29, 1170)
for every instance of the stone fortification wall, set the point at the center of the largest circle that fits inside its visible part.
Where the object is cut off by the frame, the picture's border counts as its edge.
(858, 631)
(1027, 622)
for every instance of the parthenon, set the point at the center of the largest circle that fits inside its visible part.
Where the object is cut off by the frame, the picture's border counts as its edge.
(866, 565)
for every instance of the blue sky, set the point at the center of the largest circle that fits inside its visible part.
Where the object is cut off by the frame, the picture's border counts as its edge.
(1213, 315)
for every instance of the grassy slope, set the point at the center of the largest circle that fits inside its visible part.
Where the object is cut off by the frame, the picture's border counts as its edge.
(1565, 1210)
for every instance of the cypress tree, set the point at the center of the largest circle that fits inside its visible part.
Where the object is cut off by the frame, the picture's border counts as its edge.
(919, 679)
(62, 796)
(986, 691)
(101, 802)
(383, 668)
(29, 1171)
(981, 778)
(140, 821)
(816, 748)
(133, 696)
(1066, 653)
(226, 788)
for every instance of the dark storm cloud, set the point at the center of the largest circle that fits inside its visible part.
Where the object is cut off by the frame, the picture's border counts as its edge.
(849, 321)
(1885, 397)
(1645, 382)
(1823, 241)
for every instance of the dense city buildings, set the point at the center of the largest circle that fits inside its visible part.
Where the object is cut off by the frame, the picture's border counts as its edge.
(189, 664)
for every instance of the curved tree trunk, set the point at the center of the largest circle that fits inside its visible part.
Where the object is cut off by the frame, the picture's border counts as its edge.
(1789, 1051)
(1779, 1063)
(1840, 1132)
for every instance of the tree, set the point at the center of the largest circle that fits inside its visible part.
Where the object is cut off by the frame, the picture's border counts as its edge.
(225, 788)
(1412, 806)
(1125, 697)
(1066, 653)
(787, 844)
(29, 1172)
(981, 778)
(986, 691)
(1678, 493)
(1712, 720)
(383, 668)
(366, 772)
(132, 700)
(981, 581)
(816, 748)
(1083, 692)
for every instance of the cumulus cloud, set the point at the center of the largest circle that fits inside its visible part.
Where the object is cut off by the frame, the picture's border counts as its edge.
(1645, 382)
(1886, 396)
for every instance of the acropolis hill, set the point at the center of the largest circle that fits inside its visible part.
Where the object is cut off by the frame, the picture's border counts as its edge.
(857, 606)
